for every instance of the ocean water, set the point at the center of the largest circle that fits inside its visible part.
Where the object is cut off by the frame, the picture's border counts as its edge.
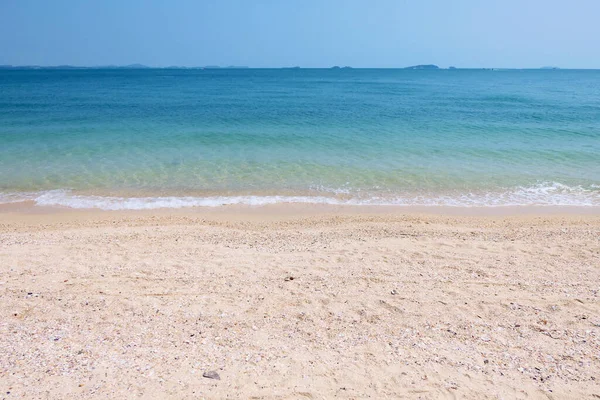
(134, 139)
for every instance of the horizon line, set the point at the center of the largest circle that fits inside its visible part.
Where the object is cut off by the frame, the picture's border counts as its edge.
(209, 66)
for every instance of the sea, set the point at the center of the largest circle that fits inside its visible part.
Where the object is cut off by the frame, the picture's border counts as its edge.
(169, 138)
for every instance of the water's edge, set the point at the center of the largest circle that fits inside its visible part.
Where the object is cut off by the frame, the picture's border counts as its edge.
(543, 194)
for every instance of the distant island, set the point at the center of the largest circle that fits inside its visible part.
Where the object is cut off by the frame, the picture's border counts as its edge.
(142, 66)
(423, 66)
(135, 66)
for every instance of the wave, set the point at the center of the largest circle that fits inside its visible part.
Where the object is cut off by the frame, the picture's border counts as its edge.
(543, 194)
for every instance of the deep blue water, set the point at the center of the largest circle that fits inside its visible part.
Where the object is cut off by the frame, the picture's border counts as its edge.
(201, 137)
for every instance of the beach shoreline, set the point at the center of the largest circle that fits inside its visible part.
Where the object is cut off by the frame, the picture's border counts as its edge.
(25, 208)
(288, 302)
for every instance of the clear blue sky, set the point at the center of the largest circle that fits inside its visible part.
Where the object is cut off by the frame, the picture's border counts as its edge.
(309, 33)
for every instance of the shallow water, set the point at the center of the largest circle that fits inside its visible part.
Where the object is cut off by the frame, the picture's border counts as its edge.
(172, 138)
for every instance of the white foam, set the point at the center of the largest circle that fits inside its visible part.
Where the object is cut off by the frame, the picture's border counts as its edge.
(64, 198)
(542, 194)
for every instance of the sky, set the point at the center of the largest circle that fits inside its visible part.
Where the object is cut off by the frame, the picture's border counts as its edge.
(307, 33)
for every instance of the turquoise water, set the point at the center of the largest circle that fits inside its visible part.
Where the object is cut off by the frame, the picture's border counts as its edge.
(171, 138)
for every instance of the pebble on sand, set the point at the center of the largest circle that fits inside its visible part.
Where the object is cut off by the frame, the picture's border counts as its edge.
(211, 375)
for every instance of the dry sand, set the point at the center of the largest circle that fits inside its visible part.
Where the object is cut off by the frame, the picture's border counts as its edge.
(326, 305)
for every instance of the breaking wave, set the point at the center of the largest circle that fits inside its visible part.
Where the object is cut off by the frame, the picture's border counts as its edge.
(543, 194)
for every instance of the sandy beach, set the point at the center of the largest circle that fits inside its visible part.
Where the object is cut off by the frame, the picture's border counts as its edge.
(332, 303)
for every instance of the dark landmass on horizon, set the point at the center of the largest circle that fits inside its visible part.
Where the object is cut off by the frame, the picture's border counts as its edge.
(423, 66)
(431, 67)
